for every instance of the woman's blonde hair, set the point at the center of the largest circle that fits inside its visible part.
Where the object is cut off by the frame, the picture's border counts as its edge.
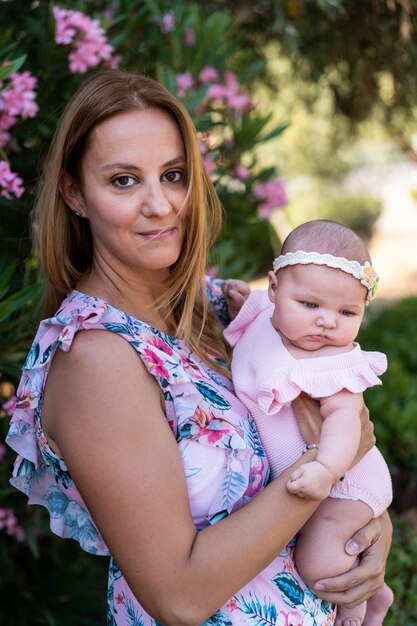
(64, 242)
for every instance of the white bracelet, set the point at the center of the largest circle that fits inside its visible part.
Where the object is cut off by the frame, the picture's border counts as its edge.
(311, 446)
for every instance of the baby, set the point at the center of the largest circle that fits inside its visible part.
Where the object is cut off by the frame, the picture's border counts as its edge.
(299, 337)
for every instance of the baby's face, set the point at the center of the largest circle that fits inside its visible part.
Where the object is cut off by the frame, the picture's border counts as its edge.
(316, 306)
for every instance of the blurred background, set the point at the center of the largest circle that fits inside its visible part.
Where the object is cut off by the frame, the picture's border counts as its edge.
(305, 109)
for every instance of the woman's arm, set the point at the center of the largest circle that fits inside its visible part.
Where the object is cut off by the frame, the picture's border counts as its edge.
(104, 413)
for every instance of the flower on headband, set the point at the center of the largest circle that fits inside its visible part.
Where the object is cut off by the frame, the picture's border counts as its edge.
(370, 279)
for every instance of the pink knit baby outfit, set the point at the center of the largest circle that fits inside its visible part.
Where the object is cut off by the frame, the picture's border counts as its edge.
(267, 378)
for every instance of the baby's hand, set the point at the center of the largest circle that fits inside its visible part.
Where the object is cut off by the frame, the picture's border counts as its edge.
(236, 292)
(311, 480)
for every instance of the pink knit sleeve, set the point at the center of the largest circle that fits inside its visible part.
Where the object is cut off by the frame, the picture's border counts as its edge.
(257, 302)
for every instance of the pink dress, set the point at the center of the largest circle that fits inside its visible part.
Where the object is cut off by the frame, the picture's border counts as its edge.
(224, 462)
(267, 378)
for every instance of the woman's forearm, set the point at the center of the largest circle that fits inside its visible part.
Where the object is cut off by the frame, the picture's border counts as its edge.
(252, 536)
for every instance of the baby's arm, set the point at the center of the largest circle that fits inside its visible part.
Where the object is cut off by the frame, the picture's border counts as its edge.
(339, 440)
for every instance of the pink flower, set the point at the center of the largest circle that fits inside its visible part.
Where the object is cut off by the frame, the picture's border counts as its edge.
(209, 165)
(161, 345)
(242, 172)
(10, 405)
(239, 101)
(208, 74)
(167, 23)
(19, 97)
(228, 93)
(231, 80)
(155, 364)
(184, 82)
(272, 195)
(255, 481)
(213, 271)
(9, 523)
(87, 37)
(295, 619)
(189, 37)
(10, 183)
(216, 92)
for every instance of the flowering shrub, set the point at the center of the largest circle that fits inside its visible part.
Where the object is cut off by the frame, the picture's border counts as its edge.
(10, 183)
(88, 39)
(17, 99)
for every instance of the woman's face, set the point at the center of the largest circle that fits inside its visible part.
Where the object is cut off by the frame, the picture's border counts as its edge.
(132, 191)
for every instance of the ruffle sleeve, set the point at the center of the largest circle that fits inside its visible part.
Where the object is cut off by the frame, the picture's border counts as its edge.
(39, 473)
(257, 302)
(321, 377)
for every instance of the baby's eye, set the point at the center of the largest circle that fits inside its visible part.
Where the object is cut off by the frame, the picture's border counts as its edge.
(347, 313)
(310, 305)
(174, 176)
(122, 182)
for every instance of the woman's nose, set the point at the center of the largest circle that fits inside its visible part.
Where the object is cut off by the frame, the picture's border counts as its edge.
(155, 201)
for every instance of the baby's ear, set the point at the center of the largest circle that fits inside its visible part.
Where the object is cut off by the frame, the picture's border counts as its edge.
(272, 285)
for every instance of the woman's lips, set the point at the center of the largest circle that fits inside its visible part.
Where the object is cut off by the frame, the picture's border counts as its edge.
(158, 234)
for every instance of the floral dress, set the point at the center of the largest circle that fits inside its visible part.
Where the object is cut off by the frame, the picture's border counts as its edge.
(224, 462)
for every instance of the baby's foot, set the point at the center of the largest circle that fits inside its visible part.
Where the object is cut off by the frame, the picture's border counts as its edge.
(378, 606)
(351, 617)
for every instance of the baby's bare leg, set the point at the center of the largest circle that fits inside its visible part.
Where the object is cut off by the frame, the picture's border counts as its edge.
(320, 549)
(377, 607)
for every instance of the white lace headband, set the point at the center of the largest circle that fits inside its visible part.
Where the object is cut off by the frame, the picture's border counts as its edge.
(365, 273)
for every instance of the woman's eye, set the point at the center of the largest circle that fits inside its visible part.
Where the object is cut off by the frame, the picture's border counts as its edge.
(122, 182)
(174, 176)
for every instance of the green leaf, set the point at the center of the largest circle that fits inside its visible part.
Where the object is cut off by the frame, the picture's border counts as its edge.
(11, 67)
(5, 279)
(17, 300)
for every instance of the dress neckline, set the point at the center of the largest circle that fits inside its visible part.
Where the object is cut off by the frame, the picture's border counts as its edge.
(153, 329)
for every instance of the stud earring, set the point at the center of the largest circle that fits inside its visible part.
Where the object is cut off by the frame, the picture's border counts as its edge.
(78, 213)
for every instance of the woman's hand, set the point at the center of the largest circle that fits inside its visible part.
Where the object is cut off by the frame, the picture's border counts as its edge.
(236, 292)
(371, 543)
(309, 420)
(367, 436)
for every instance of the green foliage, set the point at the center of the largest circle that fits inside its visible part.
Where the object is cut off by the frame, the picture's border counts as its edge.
(19, 316)
(358, 212)
(401, 574)
(393, 406)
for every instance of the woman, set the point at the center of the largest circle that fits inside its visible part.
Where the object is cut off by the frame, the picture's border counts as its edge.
(123, 221)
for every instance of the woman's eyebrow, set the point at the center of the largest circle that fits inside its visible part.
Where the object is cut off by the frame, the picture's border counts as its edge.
(130, 166)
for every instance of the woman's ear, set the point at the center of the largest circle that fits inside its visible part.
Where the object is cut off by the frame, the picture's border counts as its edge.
(272, 285)
(71, 193)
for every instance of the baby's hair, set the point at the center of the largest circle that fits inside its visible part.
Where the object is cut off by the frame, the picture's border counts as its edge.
(327, 237)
